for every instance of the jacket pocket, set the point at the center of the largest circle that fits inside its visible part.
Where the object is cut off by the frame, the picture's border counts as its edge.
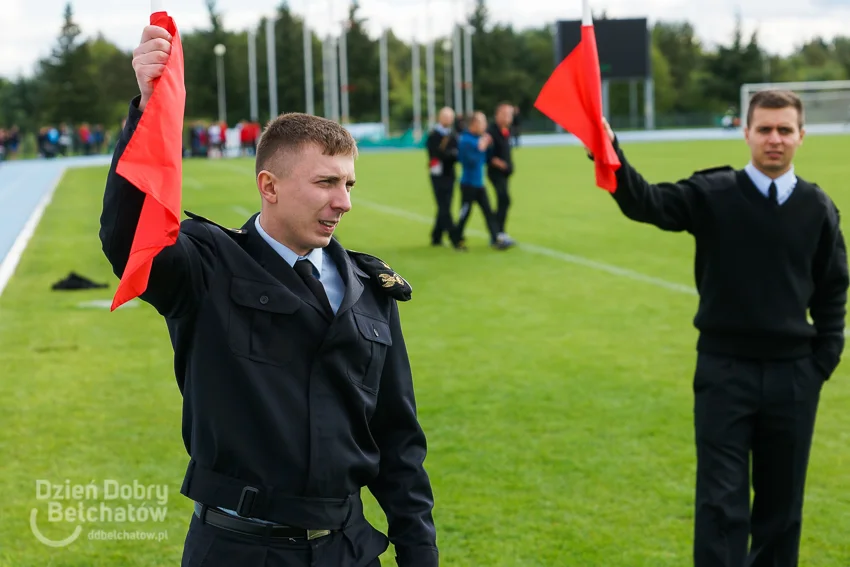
(262, 321)
(375, 339)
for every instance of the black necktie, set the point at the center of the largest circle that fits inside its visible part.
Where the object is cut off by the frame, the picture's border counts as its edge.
(305, 269)
(771, 194)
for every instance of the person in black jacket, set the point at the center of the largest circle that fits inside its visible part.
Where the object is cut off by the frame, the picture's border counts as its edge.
(500, 165)
(442, 158)
(289, 355)
(516, 127)
(769, 252)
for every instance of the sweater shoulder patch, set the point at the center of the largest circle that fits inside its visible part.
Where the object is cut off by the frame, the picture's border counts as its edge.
(718, 169)
(384, 277)
(715, 178)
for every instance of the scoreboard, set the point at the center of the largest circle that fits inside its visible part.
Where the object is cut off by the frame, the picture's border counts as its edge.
(623, 46)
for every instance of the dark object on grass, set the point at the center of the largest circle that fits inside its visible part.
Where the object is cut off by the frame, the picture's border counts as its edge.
(76, 281)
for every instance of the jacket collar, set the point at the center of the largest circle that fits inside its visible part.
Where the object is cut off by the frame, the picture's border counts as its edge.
(275, 265)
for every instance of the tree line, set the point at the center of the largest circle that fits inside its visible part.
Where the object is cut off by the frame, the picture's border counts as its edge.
(89, 79)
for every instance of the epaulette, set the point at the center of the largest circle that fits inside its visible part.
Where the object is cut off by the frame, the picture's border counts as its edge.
(385, 278)
(199, 218)
(718, 169)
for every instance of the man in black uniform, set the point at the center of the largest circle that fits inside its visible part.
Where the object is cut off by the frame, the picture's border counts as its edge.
(516, 127)
(500, 165)
(442, 157)
(289, 354)
(769, 252)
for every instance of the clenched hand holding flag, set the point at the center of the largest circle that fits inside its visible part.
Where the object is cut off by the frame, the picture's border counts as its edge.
(153, 163)
(572, 98)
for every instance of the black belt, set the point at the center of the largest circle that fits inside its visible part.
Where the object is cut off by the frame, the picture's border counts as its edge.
(236, 524)
(271, 503)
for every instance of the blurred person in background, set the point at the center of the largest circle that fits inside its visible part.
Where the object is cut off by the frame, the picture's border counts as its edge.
(13, 142)
(65, 143)
(472, 154)
(516, 127)
(442, 158)
(214, 135)
(500, 165)
(48, 141)
(98, 138)
(84, 136)
(249, 133)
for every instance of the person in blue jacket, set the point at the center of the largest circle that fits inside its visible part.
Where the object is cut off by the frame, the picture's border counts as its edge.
(472, 154)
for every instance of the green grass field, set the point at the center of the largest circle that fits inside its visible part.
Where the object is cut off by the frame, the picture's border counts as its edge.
(556, 393)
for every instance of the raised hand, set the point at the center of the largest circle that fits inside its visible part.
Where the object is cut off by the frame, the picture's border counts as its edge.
(149, 60)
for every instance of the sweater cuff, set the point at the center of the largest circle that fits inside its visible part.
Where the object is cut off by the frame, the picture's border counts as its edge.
(615, 143)
(826, 353)
(133, 117)
(420, 556)
(825, 363)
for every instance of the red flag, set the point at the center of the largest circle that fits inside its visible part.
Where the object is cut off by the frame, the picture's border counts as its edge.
(153, 162)
(572, 98)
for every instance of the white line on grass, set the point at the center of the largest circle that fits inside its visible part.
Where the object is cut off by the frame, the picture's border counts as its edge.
(10, 262)
(242, 211)
(543, 251)
(557, 254)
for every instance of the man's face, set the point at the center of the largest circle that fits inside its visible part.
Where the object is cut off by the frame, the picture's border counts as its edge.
(504, 116)
(446, 118)
(477, 125)
(774, 135)
(306, 202)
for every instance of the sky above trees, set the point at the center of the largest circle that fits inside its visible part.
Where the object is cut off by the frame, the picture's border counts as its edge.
(28, 29)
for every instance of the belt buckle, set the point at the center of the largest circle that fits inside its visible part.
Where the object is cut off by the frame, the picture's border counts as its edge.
(315, 534)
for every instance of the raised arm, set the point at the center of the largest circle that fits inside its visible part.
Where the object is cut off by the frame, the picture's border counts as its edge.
(179, 272)
(674, 207)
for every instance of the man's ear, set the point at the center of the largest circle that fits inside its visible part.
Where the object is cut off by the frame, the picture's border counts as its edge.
(267, 186)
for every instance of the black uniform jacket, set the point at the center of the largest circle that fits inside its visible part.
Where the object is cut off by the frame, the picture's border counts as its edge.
(442, 153)
(501, 148)
(286, 413)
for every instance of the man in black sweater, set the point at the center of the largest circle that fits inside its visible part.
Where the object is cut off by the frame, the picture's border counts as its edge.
(500, 165)
(442, 157)
(769, 252)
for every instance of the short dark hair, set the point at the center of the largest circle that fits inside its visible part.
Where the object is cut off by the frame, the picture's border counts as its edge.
(776, 99)
(290, 132)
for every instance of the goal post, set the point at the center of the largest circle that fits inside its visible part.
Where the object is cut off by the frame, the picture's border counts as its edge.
(824, 102)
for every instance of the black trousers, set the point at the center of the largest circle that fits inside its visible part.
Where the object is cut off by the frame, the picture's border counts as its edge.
(444, 186)
(469, 196)
(764, 410)
(211, 546)
(503, 199)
